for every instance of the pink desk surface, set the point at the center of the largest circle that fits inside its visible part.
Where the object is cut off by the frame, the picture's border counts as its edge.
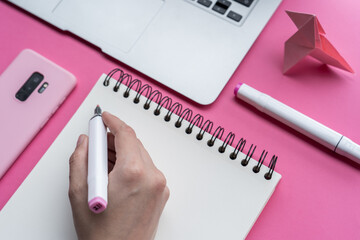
(319, 195)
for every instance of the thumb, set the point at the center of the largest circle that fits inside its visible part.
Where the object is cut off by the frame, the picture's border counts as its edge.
(78, 170)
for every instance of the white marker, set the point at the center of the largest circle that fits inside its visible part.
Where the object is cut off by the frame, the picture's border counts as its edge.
(97, 164)
(298, 121)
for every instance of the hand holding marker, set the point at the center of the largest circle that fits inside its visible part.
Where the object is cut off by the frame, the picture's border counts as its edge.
(138, 197)
(298, 121)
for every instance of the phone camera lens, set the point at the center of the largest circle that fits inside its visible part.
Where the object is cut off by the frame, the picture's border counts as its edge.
(36, 78)
(22, 96)
(29, 86)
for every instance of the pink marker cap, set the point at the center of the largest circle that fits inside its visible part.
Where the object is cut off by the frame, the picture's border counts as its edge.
(97, 205)
(237, 88)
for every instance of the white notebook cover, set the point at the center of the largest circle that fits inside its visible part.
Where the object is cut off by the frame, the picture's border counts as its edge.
(211, 196)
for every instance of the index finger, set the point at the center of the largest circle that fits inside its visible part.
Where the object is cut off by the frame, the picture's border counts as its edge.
(114, 124)
(125, 141)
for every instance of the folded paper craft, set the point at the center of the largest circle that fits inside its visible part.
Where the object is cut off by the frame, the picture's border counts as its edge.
(310, 40)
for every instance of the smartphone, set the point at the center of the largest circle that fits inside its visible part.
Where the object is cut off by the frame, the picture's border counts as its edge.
(31, 90)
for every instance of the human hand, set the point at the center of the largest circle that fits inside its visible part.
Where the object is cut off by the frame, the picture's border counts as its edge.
(137, 191)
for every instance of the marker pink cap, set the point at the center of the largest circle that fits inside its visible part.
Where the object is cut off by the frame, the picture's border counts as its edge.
(237, 88)
(97, 205)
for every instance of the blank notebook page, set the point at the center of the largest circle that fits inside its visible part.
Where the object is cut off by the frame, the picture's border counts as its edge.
(211, 196)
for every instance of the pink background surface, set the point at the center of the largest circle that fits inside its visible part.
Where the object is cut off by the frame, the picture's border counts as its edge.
(319, 195)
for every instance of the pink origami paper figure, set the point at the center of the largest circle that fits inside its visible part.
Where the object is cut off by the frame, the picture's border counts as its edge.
(310, 40)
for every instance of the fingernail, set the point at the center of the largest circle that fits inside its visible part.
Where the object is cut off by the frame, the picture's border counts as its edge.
(80, 140)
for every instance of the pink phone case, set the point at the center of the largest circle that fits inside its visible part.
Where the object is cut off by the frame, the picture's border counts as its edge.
(21, 120)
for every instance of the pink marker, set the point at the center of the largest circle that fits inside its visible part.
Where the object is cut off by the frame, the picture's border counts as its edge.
(97, 163)
(300, 122)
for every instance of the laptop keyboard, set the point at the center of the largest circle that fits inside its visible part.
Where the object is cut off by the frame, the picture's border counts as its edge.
(234, 11)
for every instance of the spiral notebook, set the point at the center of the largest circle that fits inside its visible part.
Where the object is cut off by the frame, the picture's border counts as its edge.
(216, 191)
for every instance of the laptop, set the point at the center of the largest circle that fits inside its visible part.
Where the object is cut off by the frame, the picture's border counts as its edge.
(191, 46)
